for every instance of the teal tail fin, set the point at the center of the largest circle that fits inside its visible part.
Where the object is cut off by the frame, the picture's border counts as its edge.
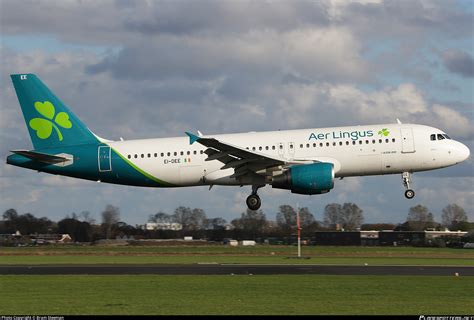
(50, 123)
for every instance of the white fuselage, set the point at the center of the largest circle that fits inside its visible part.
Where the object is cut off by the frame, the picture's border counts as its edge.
(354, 151)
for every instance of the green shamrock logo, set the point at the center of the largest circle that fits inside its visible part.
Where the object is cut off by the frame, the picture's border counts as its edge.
(384, 132)
(44, 127)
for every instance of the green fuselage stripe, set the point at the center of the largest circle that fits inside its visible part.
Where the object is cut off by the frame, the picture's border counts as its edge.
(146, 174)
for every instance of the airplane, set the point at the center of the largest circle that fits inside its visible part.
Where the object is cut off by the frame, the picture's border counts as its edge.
(305, 161)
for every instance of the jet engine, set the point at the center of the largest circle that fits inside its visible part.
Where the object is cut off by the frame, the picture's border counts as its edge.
(315, 178)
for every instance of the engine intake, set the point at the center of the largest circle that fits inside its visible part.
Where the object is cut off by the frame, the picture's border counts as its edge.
(315, 178)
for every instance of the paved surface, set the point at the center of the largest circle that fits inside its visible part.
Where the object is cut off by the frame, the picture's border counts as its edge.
(226, 269)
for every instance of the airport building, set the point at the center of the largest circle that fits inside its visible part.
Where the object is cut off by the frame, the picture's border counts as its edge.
(385, 238)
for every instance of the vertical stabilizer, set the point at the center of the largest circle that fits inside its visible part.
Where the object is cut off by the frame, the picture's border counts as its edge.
(49, 121)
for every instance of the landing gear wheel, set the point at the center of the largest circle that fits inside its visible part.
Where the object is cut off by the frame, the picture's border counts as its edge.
(409, 194)
(253, 202)
(406, 178)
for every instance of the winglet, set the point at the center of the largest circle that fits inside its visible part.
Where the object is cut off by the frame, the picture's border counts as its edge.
(192, 137)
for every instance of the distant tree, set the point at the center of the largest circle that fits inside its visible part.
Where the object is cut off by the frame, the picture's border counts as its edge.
(306, 218)
(123, 229)
(198, 219)
(453, 215)
(160, 217)
(286, 218)
(190, 219)
(419, 218)
(110, 216)
(215, 229)
(251, 223)
(351, 216)
(332, 214)
(80, 231)
(287, 222)
(26, 223)
(86, 217)
(10, 215)
(182, 215)
(215, 224)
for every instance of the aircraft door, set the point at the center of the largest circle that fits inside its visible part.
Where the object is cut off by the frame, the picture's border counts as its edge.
(105, 161)
(408, 143)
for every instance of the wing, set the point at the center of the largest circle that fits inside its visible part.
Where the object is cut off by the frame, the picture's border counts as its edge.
(243, 161)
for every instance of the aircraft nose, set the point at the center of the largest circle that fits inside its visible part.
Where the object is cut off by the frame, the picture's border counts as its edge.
(463, 152)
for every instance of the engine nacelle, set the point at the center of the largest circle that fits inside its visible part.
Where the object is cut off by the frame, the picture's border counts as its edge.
(315, 178)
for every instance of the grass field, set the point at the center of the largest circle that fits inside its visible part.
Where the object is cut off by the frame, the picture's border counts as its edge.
(225, 254)
(207, 295)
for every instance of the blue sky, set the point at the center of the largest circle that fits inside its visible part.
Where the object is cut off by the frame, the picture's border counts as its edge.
(137, 69)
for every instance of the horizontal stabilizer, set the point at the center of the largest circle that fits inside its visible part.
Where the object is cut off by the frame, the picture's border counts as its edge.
(41, 157)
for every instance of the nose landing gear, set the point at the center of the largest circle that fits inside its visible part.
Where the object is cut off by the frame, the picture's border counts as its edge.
(406, 178)
(253, 201)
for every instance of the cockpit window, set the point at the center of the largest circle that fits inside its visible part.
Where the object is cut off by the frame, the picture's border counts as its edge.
(433, 137)
(440, 137)
(446, 136)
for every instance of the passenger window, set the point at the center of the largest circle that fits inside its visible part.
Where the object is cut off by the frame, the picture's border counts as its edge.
(327, 144)
(136, 156)
(321, 144)
(149, 155)
(189, 152)
(347, 143)
(162, 154)
(353, 142)
(373, 141)
(393, 140)
(273, 148)
(156, 155)
(314, 145)
(266, 148)
(360, 141)
(143, 156)
(175, 153)
(366, 141)
(334, 143)
(380, 140)
(281, 146)
(440, 137)
(291, 146)
(433, 137)
(129, 156)
(195, 152)
(307, 145)
(386, 140)
(201, 152)
(169, 154)
(253, 148)
(301, 145)
(260, 148)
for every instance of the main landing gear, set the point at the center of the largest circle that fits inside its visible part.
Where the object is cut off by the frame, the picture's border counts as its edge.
(406, 178)
(253, 200)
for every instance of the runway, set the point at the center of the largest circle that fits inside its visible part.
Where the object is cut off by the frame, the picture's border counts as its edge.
(233, 269)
